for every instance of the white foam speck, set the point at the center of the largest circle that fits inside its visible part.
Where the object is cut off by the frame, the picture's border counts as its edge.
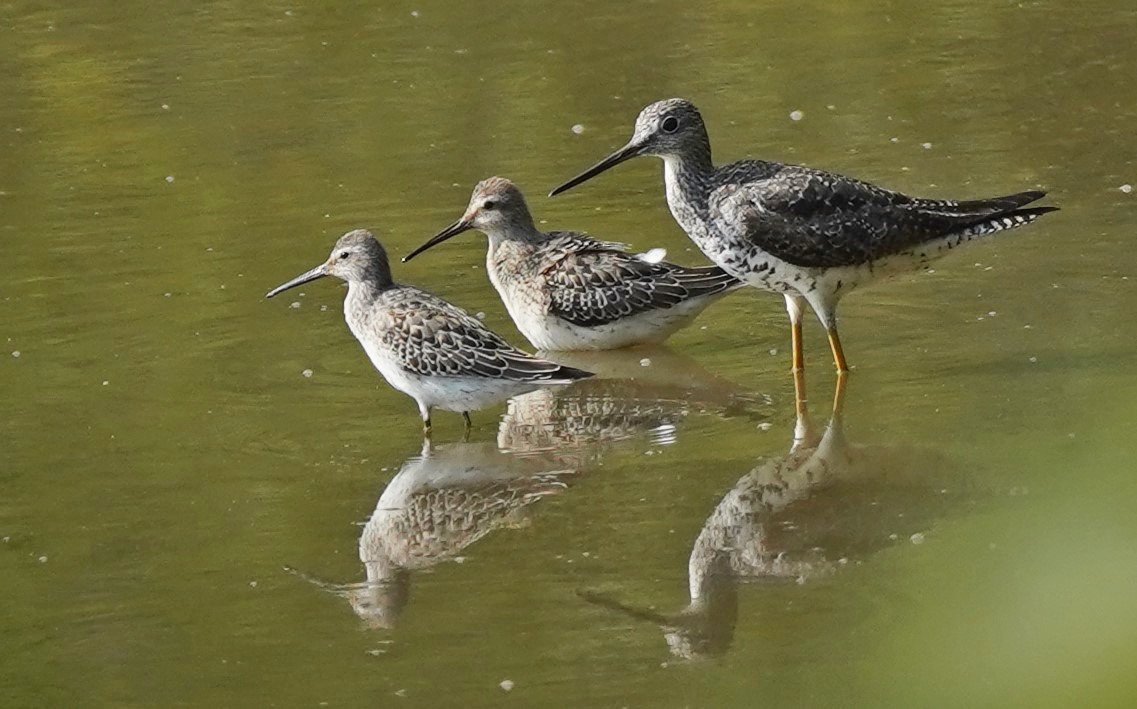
(16, 354)
(796, 115)
(578, 128)
(1126, 188)
(480, 315)
(169, 178)
(507, 685)
(916, 538)
(645, 362)
(926, 146)
(307, 373)
(295, 304)
(106, 382)
(765, 426)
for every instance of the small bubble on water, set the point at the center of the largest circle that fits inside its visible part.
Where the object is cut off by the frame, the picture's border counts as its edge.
(765, 426)
(1126, 188)
(926, 146)
(252, 584)
(645, 362)
(773, 351)
(506, 685)
(414, 13)
(916, 538)
(43, 559)
(578, 128)
(1033, 360)
(796, 115)
(167, 295)
(295, 304)
(323, 308)
(894, 139)
(16, 354)
(307, 373)
(894, 537)
(169, 178)
(480, 315)
(106, 382)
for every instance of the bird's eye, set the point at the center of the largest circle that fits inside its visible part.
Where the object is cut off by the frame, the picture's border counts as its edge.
(670, 124)
(489, 204)
(344, 255)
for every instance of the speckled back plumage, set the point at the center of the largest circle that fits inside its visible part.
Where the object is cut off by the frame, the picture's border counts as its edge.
(591, 282)
(427, 335)
(817, 219)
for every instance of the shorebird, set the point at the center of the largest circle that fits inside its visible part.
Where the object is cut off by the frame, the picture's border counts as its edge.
(811, 235)
(568, 291)
(431, 350)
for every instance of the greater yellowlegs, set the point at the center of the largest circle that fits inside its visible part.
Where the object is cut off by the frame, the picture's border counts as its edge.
(810, 235)
(568, 291)
(431, 350)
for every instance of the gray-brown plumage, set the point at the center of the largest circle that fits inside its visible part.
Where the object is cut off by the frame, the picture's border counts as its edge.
(424, 346)
(568, 291)
(808, 234)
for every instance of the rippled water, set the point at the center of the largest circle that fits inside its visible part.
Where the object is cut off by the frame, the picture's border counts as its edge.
(187, 518)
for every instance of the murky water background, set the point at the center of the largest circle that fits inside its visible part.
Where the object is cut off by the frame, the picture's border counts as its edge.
(964, 536)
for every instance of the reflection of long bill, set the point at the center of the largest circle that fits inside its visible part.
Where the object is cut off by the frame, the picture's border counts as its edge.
(440, 502)
(761, 531)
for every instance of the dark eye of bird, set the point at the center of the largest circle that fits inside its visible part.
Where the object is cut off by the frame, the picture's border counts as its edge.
(344, 255)
(670, 124)
(490, 204)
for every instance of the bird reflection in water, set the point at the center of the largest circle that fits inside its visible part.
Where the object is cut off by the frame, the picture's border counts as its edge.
(635, 390)
(795, 518)
(440, 502)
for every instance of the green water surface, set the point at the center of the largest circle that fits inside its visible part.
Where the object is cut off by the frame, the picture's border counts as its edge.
(164, 458)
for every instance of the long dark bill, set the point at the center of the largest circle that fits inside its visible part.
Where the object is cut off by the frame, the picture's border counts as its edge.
(317, 272)
(451, 231)
(627, 152)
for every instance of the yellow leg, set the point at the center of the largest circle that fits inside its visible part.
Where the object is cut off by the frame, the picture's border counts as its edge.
(799, 393)
(838, 354)
(839, 393)
(796, 346)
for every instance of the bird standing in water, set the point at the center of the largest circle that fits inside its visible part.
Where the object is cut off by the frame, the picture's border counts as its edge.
(811, 235)
(568, 291)
(427, 348)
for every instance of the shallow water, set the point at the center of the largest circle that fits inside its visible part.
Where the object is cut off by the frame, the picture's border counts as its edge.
(184, 512)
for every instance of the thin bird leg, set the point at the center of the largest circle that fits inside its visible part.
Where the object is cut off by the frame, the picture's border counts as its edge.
(466, 428)
(839, 394)
(800, 407)
(795, 306)
(838, 353)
